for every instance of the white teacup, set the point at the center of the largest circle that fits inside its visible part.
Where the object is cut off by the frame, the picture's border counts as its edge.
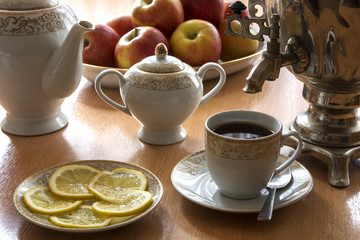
(241, 167)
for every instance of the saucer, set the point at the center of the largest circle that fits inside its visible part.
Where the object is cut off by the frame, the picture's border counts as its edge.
(41, 178)
(191, 178)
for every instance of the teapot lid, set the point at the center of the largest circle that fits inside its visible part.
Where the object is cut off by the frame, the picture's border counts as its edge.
(19, 5)
(161, 62)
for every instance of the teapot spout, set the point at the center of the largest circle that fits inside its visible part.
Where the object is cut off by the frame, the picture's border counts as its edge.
(62, 73)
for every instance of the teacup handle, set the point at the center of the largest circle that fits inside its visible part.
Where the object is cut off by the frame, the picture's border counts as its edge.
(295, 154)
(103, 96)
(218, 86)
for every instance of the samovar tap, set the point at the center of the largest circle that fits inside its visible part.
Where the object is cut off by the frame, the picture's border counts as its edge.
(272, 59)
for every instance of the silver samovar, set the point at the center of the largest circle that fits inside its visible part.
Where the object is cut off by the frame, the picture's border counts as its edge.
(319, 42)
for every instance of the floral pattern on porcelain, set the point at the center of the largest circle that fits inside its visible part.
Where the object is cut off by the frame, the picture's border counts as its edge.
(34, 22)
(249, 149)
(26, 4)
(160, 82)
(193, 164)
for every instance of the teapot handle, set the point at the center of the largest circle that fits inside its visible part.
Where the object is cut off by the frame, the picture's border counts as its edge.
(218, 86)
(104, 97)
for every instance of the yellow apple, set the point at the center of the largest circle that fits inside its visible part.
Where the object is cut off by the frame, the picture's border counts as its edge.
(235, 47)
(196, 42)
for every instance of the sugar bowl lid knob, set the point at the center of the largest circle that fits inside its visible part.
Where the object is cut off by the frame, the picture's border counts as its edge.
(161, 62)
(161, 50)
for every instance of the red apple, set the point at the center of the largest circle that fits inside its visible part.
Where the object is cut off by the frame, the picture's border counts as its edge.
(235, 47)
(208, 10)
(99, 46)
(138, 44)
(164, 15)
(228, 10)
(196, 42)
(121, 24)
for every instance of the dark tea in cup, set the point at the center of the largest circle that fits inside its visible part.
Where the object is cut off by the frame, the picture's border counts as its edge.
(242, 130)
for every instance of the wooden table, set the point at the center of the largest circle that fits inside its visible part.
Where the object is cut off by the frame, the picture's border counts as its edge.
(97, 131)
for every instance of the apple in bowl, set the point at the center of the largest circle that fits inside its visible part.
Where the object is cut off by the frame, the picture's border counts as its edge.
(196, 42)
(130, 49)
(227, 10)
(99, 46)
(121, 24)
(208, 10)
(164, 15)
(235, 47)
(137, 44)
(91, 71)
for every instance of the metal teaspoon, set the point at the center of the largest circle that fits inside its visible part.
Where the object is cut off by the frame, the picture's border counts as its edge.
(278, 181)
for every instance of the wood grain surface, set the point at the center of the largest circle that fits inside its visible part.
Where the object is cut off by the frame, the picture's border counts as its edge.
(97, 131)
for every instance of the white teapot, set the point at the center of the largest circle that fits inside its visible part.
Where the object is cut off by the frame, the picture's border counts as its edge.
(161, 92)
(41, 46)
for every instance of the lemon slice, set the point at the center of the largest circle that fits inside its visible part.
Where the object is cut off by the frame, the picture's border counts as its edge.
(82, 217)
(41, 200)
(106, 185)
(128, 202)
(72, 181)
(121, 219)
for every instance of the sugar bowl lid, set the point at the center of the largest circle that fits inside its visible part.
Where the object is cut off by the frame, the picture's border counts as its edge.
(19, 5)
(161, 62)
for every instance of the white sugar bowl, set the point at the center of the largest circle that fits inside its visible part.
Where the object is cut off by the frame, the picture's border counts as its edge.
(161, 92)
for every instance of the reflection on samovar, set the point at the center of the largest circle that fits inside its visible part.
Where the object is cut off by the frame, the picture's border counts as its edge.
(319, 42)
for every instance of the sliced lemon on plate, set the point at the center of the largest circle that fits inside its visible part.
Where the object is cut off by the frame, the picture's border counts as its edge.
(72, 181)
(107, 185)
(82, 217)
(42, 200)
(121, 219)
(128, 202)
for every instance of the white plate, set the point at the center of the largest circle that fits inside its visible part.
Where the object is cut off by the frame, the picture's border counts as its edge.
(191, 179)
(91, 71)
(41, 178)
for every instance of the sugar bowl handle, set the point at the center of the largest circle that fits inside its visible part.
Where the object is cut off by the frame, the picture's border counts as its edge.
(104, 97)
(218, 86)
